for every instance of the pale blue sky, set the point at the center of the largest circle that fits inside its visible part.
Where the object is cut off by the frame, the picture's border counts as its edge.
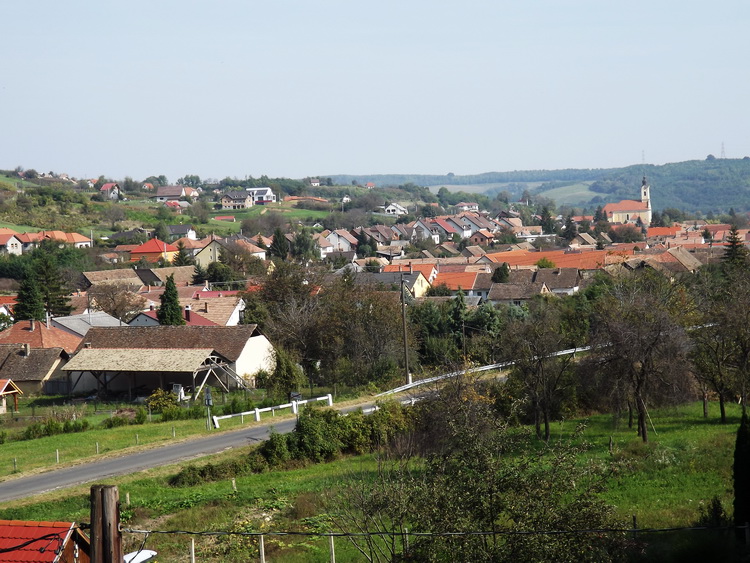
(320, 87)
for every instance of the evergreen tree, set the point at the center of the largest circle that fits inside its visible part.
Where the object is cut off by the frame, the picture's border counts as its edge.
(182, 258)
(280, 245)
(735, 253)
(741, 470)
(571, 229)
(55, 296)
(599, 214)
(501, 274)
(29, 302)
(199, 275)
(170, 312)
(547, 222)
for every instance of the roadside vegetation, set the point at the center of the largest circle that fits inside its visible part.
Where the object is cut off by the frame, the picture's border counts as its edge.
(669, 482)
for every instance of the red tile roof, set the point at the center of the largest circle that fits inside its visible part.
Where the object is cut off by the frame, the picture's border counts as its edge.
(585, 260)
(39, 336)
(625, 205)
(154, 246)
(663, 231)
(48, 536)
(456, 280)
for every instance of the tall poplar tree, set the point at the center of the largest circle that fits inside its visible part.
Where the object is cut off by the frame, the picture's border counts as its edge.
(170, 312)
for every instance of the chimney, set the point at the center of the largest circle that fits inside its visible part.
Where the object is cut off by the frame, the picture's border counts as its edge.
(151, 306)
(26, 349)
(205, 310)
(31, 325)
(87, 345)
(187, 313)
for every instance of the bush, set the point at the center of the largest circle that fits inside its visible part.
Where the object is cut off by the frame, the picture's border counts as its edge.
(178, 413)
(160, 400)
(116, 421)
(275, 450)
(140, 416)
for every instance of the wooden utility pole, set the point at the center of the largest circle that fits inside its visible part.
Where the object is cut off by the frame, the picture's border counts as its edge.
(106, 538)
(403, 322)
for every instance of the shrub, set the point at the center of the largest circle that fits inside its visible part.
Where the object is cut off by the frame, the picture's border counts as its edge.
(275, 450)
(160, 400)
(140, 416)
(115, 421)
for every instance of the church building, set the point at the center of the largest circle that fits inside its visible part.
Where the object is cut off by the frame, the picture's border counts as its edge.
(630, 211)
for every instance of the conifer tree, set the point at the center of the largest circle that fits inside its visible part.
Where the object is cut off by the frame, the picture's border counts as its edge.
(170, 312)
(280, 245)
(200, 275)
(55, 296)
(182, 258)
(501, 274)
(735, 253)
(29, 303)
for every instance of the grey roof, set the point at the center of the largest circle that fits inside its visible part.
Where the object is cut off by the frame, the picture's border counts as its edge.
(470, 302)
(143, 360)
(179, 229)
(558, 278)
(392, 279)
(240, 196)
(515, 291)
(122, 275)
(229, 341)
(80, 324)
(16, 365)
(183, 275)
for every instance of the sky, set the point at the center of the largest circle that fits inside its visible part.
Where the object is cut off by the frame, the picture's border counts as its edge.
(297, 88)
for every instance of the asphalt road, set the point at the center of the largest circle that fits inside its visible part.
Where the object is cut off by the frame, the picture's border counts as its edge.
(13, 489)
(88, 472)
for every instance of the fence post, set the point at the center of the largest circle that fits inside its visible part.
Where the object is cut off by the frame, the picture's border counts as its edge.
(294, 407)
(262, 549)
(57, 456)
(257, 416)
(332, 548)
(106, 538)
(330, 400)
(192, 550)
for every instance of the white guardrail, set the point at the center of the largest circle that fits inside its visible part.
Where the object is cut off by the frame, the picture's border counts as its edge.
(294, 405)
(501, 365)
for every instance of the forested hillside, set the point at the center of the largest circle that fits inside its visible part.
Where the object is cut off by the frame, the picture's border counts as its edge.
(707, 185)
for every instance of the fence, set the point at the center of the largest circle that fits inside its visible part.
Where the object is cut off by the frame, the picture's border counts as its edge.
(294, 405)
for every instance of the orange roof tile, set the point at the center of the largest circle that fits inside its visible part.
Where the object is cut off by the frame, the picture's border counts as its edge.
(39, 336)
(456, 280)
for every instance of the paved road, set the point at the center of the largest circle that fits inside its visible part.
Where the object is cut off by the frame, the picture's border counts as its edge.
(88, 472)
(22, 487)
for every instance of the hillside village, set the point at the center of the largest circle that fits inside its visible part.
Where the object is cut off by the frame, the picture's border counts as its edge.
(166, 310)
(463, 252)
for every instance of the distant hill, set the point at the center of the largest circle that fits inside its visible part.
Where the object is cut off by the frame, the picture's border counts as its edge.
(707, 185)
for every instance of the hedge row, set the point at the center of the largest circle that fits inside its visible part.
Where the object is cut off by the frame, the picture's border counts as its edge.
(320, 435)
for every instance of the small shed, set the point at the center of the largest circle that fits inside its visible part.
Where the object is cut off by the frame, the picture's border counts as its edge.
(8, 389)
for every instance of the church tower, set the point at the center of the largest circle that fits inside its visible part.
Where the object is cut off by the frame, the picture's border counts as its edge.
(646, 193)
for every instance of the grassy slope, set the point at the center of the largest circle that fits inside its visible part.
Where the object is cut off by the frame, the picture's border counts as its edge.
(688, 461)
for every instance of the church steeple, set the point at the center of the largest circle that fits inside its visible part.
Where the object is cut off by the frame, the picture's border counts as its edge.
(646, 193)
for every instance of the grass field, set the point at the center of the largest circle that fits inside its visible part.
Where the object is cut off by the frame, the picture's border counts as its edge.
(575, 194)
(687, 462)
